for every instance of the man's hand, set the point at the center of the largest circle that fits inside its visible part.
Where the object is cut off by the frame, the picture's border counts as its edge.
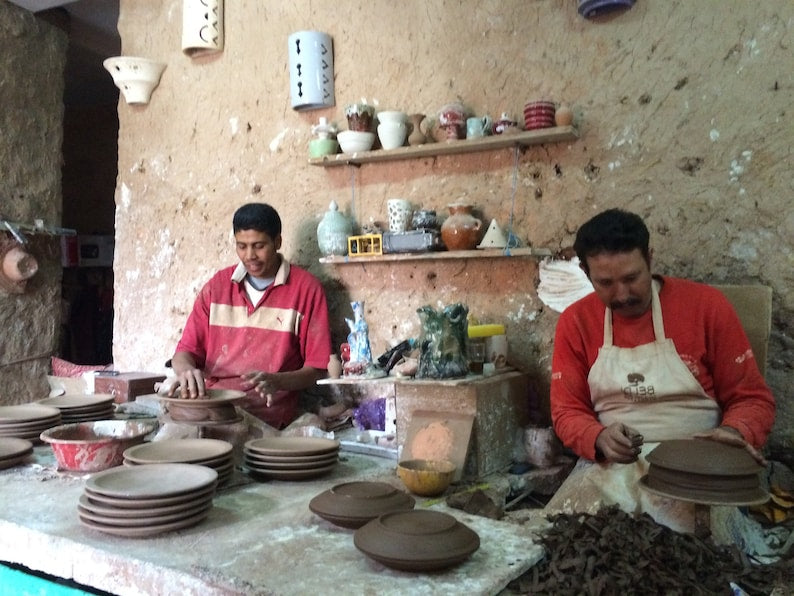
(730, 436)
(263, 383)
(619, 443)
(190, 385)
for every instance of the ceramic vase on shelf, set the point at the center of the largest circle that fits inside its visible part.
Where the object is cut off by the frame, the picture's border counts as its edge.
(416, 135)
(332, 232)
(461, 230)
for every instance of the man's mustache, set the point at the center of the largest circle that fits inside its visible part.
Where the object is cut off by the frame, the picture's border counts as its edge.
(628, 302)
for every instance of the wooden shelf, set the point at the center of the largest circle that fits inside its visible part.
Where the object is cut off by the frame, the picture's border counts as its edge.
(486, 253)
(540, 136)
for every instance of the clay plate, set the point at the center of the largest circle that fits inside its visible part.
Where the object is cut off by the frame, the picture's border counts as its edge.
(147, 530)
(27, 413)
(293, 446)
(353, 504)
(14, 451)
(736, 498)
(179, 451)
(269, 474)
(144, 518)
(416, 540)
(78, 402)
(702, 456)
(151, 481)
(283, 459)
(147, 504)
(215, 398)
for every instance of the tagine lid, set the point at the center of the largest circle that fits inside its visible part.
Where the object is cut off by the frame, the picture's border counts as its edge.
(703, 456)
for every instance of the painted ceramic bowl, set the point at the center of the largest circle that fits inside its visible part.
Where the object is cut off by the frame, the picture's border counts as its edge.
(353, 141)
(95, 446)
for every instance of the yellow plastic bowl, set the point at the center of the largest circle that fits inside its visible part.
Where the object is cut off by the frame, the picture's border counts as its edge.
(426, 477)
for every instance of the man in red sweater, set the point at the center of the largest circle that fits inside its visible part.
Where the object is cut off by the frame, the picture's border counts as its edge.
(647, 358)
(260, 326)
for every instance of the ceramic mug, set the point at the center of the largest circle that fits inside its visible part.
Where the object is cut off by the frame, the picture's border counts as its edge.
(477, 127)
(400, 213)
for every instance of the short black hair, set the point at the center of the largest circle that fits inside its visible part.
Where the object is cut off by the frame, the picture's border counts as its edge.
(257, 216)
(611, 231)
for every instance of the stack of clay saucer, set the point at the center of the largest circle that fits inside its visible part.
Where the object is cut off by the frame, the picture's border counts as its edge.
(212, 453)
(141, 501)
(14, 451)
(539, 114)
(27, 421)
(290, 458)
(79, 407)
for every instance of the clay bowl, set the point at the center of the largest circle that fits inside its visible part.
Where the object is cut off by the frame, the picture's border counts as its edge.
(353, 504)
(426, 477)
(94, 446)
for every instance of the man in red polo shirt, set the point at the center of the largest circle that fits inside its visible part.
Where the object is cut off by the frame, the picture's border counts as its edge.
(260, 326)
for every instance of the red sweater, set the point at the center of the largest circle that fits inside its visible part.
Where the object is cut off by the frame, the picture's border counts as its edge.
(708, 336)
(288, 329)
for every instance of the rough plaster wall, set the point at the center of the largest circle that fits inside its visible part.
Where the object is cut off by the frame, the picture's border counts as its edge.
(31, 90)
(682, 109)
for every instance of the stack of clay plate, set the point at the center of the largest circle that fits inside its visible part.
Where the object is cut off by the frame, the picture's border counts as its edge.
(14, 451)
(27, 421)
(290, 458)
(539, 114)
(141, 501)
(212, 453)
(79, 407)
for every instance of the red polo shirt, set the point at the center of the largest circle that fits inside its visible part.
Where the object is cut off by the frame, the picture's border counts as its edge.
(287, 329)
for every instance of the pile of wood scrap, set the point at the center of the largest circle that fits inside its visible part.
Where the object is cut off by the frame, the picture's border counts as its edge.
(612, 552)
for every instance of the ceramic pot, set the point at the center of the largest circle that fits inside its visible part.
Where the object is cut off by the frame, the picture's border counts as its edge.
(452, 118)
(417, 135)
(392, 134)
(461, 230)
(332, 232)
(18, 265)
(359, 117)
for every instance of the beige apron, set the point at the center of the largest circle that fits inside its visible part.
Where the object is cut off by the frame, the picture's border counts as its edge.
(650, 389)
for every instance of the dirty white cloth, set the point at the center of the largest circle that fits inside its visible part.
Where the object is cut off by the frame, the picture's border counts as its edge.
(562, 283)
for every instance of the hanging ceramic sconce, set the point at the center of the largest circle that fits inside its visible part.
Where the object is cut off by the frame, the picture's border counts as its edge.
(311, 70)
(202, 27)
(135, 77)
(595, 8)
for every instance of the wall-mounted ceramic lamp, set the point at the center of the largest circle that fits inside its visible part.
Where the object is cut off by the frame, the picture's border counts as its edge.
(311, 70)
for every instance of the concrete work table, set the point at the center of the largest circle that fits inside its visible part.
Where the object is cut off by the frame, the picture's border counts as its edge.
(260, 538)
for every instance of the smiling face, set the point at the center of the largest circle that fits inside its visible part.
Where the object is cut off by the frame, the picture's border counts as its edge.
(622, 280)
(258, 252)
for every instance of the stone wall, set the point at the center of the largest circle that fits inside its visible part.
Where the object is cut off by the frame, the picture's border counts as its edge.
(31, 92)
(682, 109)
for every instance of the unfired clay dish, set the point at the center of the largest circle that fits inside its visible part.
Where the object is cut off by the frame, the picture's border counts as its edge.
(152, 481)
(353, 504)
(145, 531)
(292, 446)
(149, 502)
(179, 451)
(417, 540)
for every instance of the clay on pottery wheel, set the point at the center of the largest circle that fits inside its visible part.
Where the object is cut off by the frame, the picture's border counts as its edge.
(217, 413)
(704, 471)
